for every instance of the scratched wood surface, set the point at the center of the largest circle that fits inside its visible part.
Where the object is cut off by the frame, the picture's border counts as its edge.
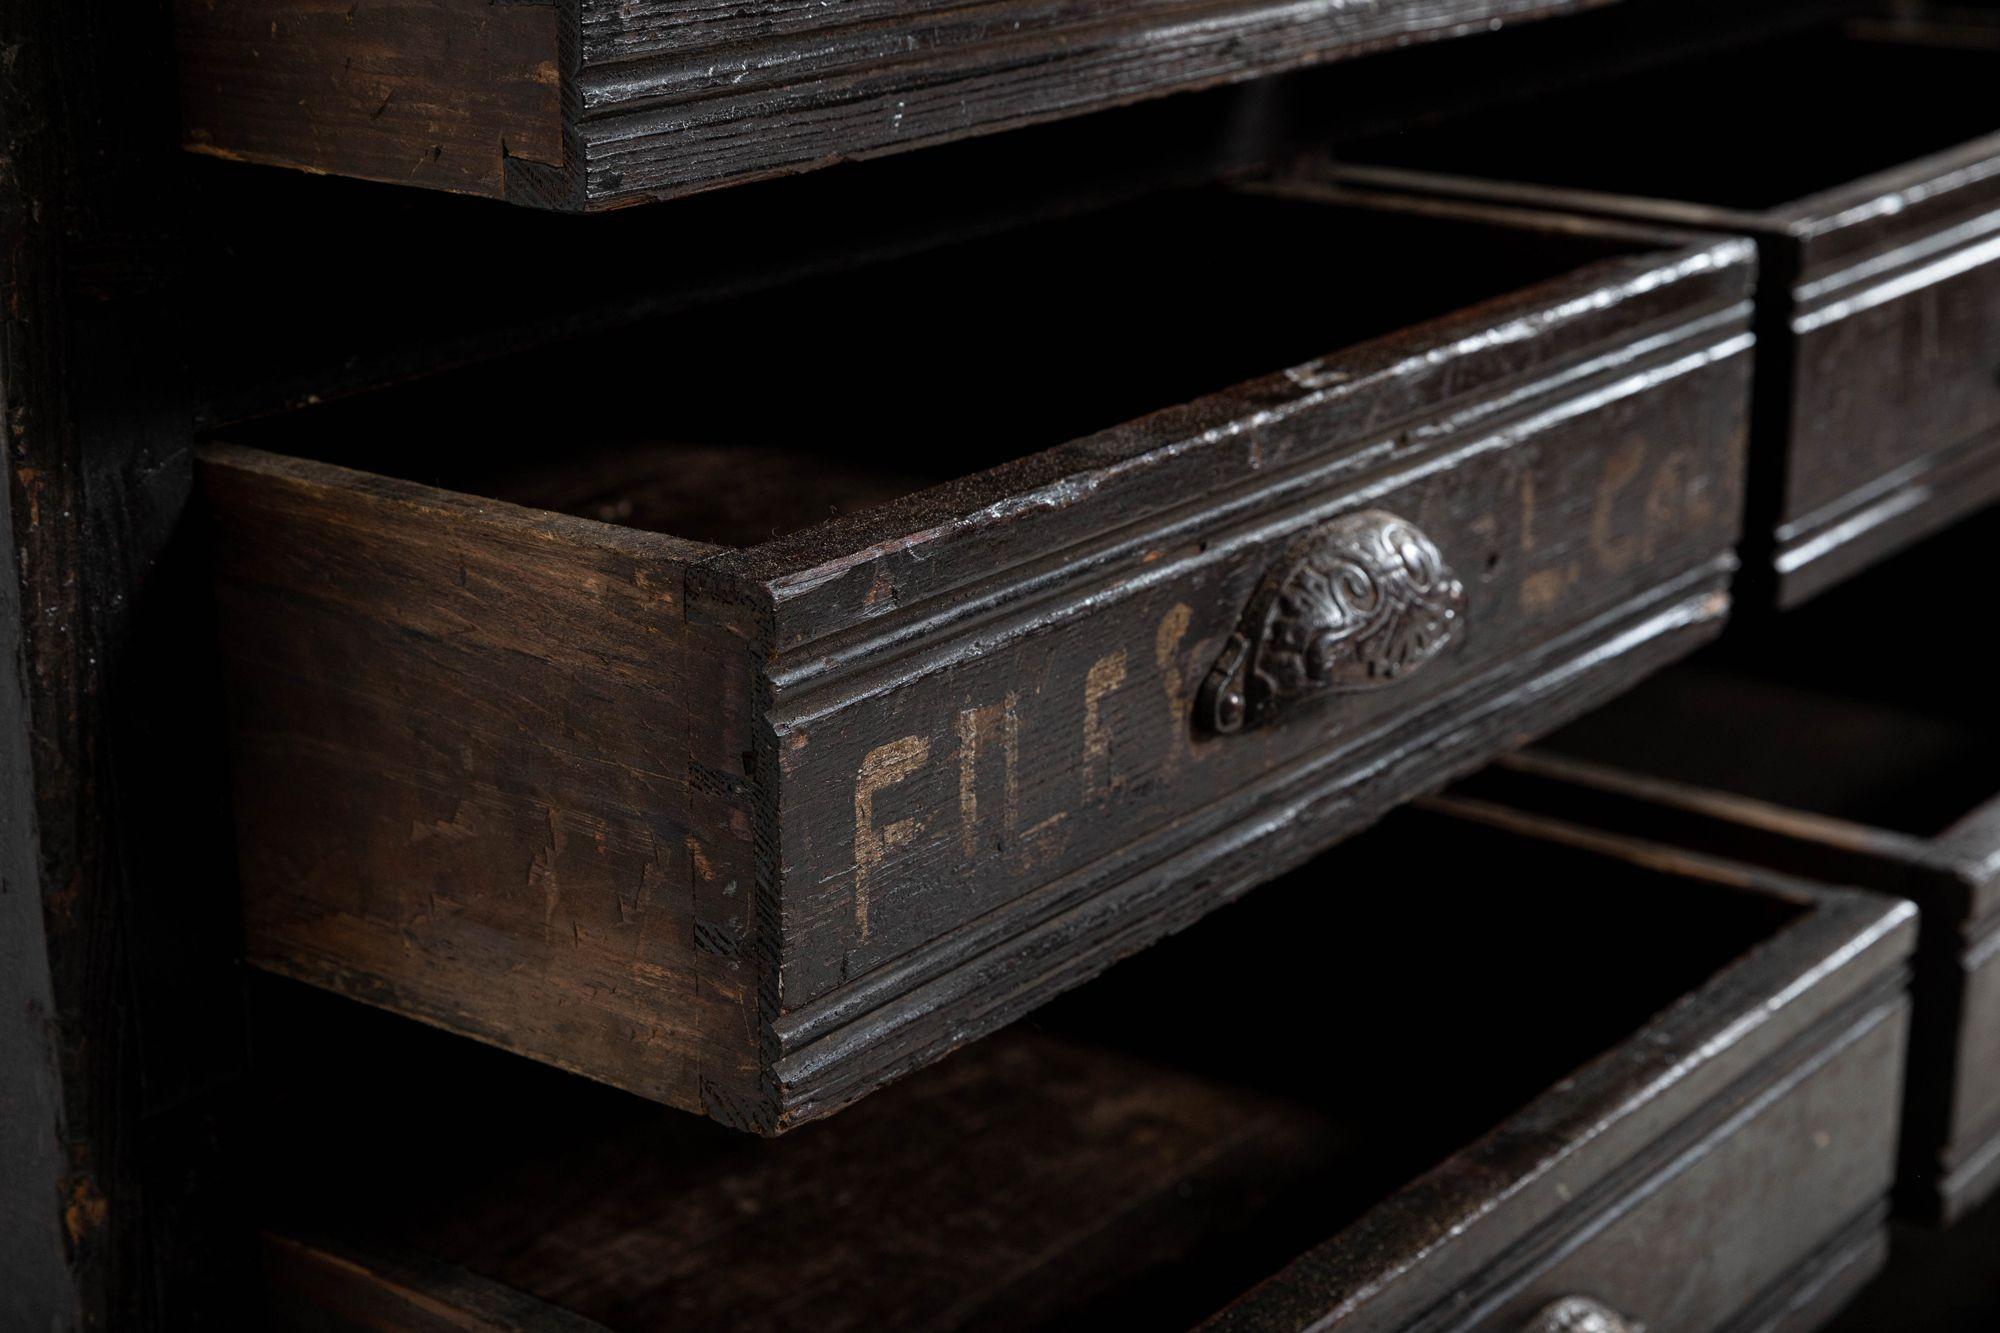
(1147, 1151)
(755, 830)
(1851, 773)
(582, 104)
(1879, 326)
(524, 819)
(439, 93)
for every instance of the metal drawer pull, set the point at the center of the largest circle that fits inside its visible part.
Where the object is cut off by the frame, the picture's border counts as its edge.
(1354, 604)
(1580, 1314)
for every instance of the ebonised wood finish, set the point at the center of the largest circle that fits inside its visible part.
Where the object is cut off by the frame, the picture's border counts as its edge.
(589, 104)
(1879, 324)
(120, 1007)
(1144, 1151)
(753, 831)
(1862, 774)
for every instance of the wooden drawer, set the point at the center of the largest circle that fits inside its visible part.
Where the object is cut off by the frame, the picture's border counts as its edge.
(1879, 371)
(751, 826)
(1897, 796)
(1824, 754)
(586, 104)
(1666, 1085)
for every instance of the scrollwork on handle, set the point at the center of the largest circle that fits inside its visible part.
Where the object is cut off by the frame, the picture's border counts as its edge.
(1353, 604)
(1580, 1314)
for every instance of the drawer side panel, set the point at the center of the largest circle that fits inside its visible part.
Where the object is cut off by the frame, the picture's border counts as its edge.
(461, 751)
(418, 92)
(1897, 372)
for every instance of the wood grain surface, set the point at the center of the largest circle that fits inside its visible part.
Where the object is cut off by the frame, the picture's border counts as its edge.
(438, 93)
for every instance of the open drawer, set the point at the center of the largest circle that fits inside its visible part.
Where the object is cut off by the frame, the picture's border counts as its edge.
(746, 711)
(1878, 415)
(1831, 754)
(1664, 1086)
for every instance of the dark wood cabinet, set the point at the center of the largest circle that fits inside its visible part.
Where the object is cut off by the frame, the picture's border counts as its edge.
(876, 749)
(1863, 156)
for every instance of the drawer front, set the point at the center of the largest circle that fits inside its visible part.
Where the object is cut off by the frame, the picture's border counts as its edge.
(1786, 1170)
(1067, 728)
(996, 797)
(1769, 1204)
(1896, 398)
(1971, 1157)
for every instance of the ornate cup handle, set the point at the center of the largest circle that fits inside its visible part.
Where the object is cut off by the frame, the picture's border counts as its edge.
(1580, 1314)
(1354, 604)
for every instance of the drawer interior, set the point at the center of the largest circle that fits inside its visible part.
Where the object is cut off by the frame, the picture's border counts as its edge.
(1750, 126)
(1139, 1152)
(1870, 703)
(1864, 760)
(843, 391)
